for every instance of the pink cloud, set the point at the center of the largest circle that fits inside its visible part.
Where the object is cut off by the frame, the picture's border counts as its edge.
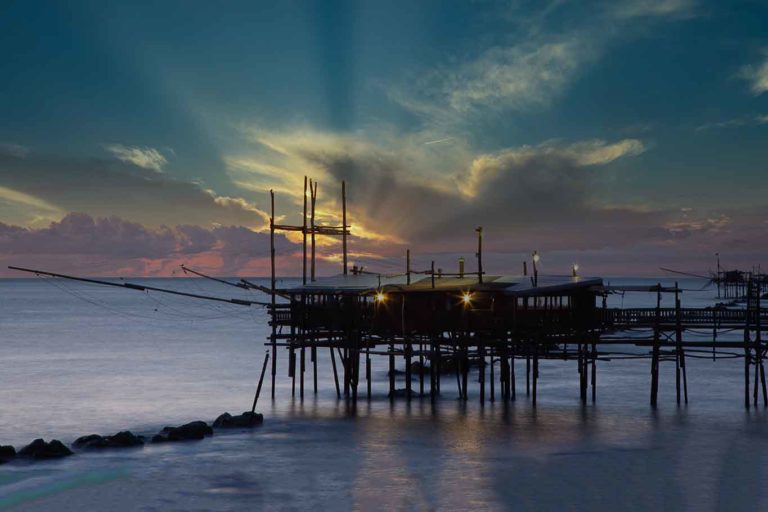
(85, 245)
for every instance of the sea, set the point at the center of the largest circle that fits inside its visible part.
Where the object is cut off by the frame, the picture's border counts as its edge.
(77, 359)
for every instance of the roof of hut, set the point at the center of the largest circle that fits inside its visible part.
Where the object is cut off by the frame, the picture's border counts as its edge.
(507, 284)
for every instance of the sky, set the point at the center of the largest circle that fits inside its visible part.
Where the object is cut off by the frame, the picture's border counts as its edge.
(622, 136)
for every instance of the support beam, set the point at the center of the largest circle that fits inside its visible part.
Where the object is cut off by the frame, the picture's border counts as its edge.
(261, 381)
(273, 286)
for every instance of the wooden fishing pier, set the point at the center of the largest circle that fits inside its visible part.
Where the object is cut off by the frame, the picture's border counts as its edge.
(452, 324)
(437, 323)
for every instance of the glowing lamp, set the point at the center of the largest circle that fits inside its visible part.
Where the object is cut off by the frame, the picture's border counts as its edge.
(536, 257)
(380, 297)
(466, 298)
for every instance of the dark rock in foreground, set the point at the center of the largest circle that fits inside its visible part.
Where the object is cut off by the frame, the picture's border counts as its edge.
(246, 420)
(39, 449)
(125, 439)
(193, 431)
(7, 453)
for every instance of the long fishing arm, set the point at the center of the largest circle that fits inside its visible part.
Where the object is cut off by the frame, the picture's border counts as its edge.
(684, 273)
(223, 281)
(139, 287)
(268, 291)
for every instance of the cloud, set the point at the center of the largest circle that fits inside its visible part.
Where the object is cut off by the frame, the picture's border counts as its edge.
(146, 158)
(109, 246)
(757, 75)
(27, 209)
(646, 8)
(105, 187)
(402, 192)
(13, 149)
(534, 64)
(736, 122)
(487, 168)
(517, 76)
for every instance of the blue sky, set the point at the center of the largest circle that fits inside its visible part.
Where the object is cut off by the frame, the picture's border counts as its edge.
(626, 134)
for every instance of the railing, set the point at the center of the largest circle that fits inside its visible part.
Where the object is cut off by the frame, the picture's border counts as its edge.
(688, 316)
(607, 318)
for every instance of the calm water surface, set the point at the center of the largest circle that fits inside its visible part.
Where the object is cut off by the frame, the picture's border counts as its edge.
(77, 359)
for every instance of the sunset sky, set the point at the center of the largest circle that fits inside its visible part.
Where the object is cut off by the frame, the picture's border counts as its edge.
(622, 135)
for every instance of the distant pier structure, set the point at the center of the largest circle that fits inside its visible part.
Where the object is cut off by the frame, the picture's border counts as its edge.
(500, 326)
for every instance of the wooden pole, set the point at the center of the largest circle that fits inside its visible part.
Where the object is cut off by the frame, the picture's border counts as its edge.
(432, 365)
(678, 340)
(313, 199)
(335, 373)
(273, 303)
(347, 369)
(465, 370)
(344, 223)
(407, 266)
(758, 343)
(535, 372)
(458, 365)
(512, 376)
(314, 367)
(432, 272)
(655, 354)
(747, 354)
(301, 373)
(479, 254)
(583, 373)
(528, 371)
(408, 349)
(304, 237)
(594, 372)
(368, 371)
(493, 377)
(421, 369)
(261, 381)
(438, 366)
(392, 371)
(481, 354)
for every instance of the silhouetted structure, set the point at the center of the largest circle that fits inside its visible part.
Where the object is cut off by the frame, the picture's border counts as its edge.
(434, 320)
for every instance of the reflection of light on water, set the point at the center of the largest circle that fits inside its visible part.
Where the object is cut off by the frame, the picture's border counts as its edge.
(385, 480)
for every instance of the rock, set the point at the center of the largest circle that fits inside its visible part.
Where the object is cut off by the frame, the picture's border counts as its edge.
(7, 453)
(125, 439)
(193, 431)
(39, 449)
(91, 441)
(246, 420)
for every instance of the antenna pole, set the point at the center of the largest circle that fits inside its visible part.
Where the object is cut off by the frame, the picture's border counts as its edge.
(407, 266)
(480, 254)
